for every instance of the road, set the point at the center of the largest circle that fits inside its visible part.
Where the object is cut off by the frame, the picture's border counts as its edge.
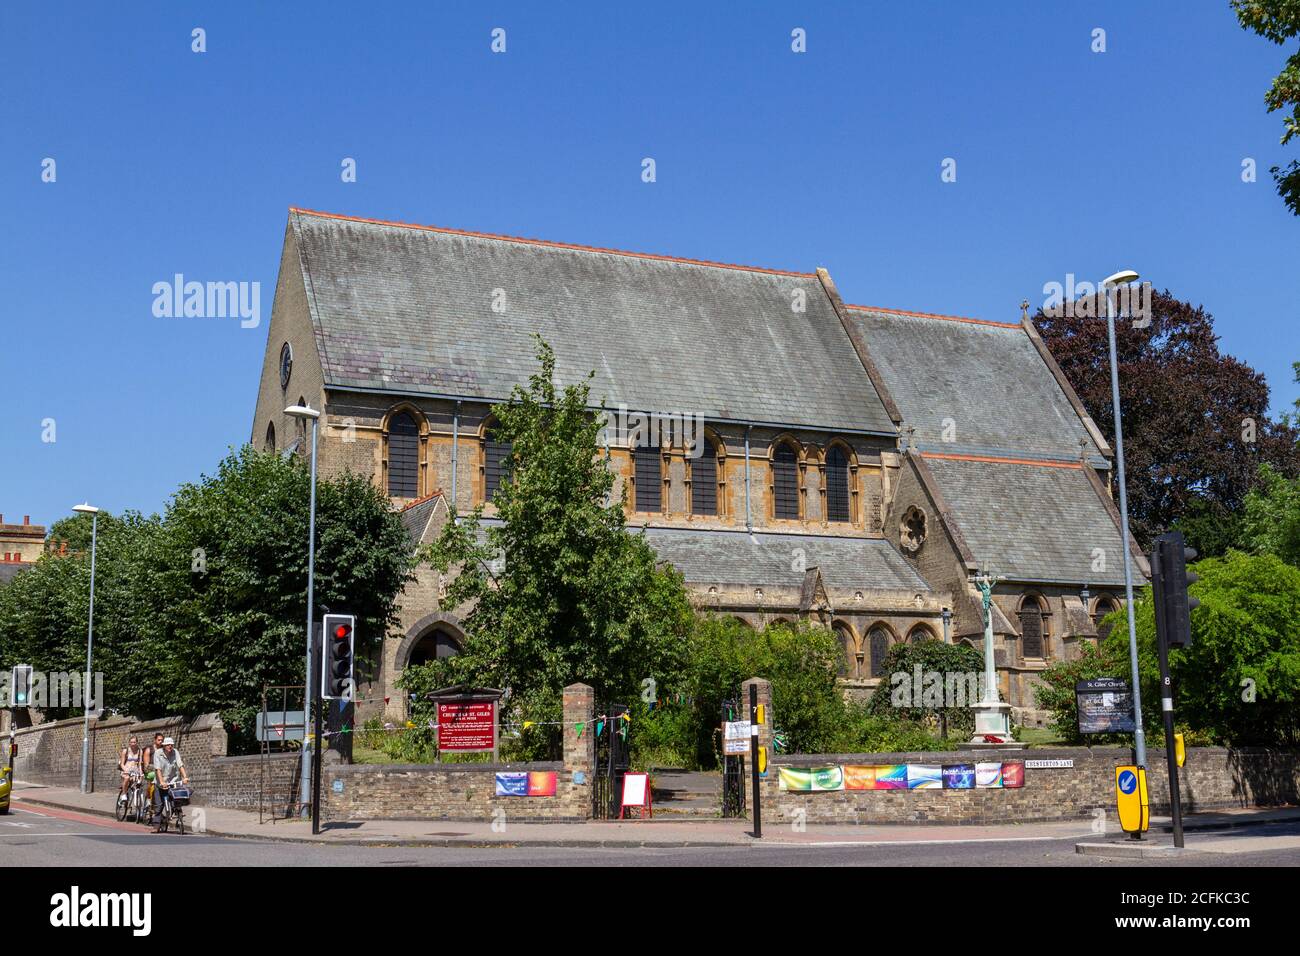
(40, 836)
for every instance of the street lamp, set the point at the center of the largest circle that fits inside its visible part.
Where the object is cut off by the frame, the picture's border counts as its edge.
(88, 509)
(1123, 277)
(303, 413)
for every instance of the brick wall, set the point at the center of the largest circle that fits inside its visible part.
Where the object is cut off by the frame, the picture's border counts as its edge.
(1213, 778)
(468, 791)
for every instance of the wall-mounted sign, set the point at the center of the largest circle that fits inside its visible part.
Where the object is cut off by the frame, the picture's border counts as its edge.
(1049, 764)
(1105, 706)
(735, 737)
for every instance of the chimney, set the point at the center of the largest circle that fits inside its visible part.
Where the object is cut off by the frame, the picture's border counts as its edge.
(27, 519)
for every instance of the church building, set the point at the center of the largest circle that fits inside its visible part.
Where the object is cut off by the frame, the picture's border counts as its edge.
(846, 465)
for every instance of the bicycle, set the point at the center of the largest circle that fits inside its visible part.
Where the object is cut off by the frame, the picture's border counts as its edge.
(175, 799)
(130, 806)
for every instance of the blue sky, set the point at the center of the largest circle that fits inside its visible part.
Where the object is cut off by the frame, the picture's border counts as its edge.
(1068, 161)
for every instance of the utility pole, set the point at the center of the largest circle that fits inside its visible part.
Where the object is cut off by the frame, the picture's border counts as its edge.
(753, 759)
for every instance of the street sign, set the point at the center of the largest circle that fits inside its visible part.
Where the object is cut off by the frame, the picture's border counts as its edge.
(1131, 799)
(281, 726)
(1105, 706)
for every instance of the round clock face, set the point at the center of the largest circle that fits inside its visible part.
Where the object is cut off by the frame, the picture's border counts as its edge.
(286, 364)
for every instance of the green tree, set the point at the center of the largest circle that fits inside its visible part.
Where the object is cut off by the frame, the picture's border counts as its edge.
(560, 590)
(896, 695)
(1279, 21)
(196, 610)
(1271, 524)
(1239, 681)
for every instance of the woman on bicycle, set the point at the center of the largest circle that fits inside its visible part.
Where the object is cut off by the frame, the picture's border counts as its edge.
(130, 761)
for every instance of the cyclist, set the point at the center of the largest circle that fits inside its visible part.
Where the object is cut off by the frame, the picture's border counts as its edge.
(129, 762)
(147, 764)
(168, 769)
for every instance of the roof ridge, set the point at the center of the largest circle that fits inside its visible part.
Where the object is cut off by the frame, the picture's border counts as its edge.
(1000, 459)
(550, 243)
(419, 501)
(936, 315)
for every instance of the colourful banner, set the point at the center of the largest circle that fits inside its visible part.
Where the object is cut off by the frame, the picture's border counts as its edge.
(541, 783)
(988, 776)
(807, 779)
(891, 777)
(512, 785)
(959, 776)
(924, 777)
(859, 778)
(1013, 773)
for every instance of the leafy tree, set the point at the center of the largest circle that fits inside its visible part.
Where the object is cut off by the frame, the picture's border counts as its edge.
(1279, 21)
(1056, 693)
(1271, 523)
(952, 662)
(196, 610)
(1189, 414)
(1239, 681)
(560, 590)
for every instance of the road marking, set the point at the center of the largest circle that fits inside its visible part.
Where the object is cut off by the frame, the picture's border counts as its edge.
(826, 843)
(106, 823)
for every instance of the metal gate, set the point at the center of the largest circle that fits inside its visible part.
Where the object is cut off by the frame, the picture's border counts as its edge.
(612, 761)
(733, 766)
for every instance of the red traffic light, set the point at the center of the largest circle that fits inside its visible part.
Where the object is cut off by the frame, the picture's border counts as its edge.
(342, 631)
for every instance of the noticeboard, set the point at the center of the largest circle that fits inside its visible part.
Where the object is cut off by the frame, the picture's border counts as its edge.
(467, 726)
(1105, 706)
(735, 737)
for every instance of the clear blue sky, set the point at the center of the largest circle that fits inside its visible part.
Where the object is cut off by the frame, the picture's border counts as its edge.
(168, 161)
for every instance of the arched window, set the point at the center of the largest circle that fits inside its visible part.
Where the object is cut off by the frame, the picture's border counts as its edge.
(648, 472)
(920, 633)
(879, 644)
(704, 480)
(837, 485)
(848, 665)
(270, 436)
(1105, 605)
(496, 464)
(436, 643)
(785, 482)
(1032, 631)
(403, 456)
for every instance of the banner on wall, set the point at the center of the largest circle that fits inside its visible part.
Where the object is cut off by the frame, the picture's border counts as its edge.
(859, 778)
(812, 778)
(1013, 773)
(959, 776)
(988, 776)
(924, 777)
(524, 784)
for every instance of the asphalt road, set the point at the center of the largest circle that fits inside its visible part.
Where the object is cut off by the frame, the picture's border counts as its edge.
(36, 836)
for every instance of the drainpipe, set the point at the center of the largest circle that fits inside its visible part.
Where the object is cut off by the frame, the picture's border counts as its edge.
(455, 456)
(749, 520)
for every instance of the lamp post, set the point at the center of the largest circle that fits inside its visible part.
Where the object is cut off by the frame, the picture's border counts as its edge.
(303, 413)
(88, 509)
(1123, 277)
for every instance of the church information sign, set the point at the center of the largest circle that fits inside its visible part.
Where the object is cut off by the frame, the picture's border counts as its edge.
(467, 726)
(1105, 706)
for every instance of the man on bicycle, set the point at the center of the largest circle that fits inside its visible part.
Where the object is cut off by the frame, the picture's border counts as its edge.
(168, 769)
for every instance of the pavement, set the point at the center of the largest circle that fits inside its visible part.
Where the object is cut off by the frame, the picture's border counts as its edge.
(1232, 831)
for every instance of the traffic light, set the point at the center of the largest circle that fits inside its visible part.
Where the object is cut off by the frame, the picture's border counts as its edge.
(1170, 580)
(20, 684)
(336, 672)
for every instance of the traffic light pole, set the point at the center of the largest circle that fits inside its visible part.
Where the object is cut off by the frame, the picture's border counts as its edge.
(1171, 759)
(753, 759)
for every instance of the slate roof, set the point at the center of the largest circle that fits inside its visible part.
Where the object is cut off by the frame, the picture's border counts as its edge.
(733, 557)
(401, 308)
(10, 570)
(1031, 522)
(987, 377)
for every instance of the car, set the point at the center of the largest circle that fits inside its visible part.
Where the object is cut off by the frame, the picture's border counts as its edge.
(6, 784)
